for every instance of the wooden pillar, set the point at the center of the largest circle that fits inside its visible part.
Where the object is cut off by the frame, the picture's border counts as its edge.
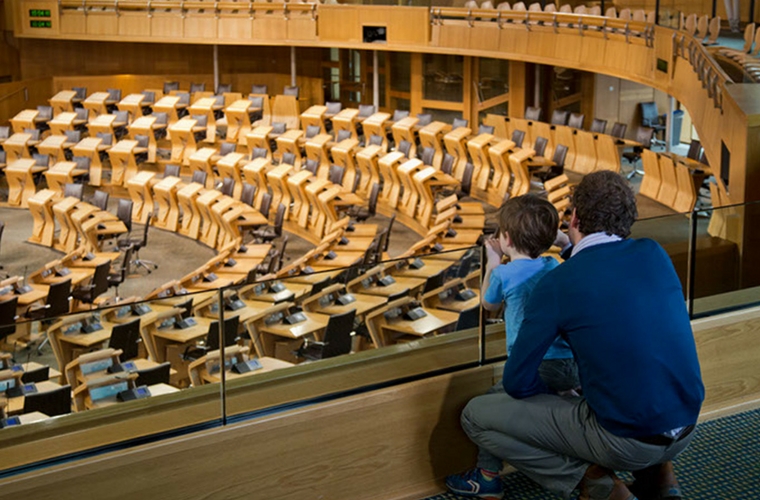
(517, 88)
(415, 103)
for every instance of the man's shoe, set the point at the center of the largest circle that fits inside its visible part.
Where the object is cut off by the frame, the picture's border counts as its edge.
(600, 483)
(656, 483)
(474, 485)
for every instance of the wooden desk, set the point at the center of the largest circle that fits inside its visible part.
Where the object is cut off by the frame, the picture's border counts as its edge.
(168, 207)
(430, 268)
(16, 405)
(20, 176)
(103, 124)
(41, 208)
(62, 122)
(431, 136)
(17, 147)
(239, 120)
(30, 418)
(53, 146)
(24, 120)
(205, 106)
(230, 166)
(456, 145)
(164, 338)
(139, 188)
(90, 148)
(63, 102)
(375, 126)
(145, 126)
(62, 173)
(403, 130)
(314, 116)
(434, 321)
(345, 121)
(183, 140)
(267, 365)
(133, 105)
(315, 323)
(362, 305)
(170, 105)
(96, 103)
(191, 218)
(155, 390)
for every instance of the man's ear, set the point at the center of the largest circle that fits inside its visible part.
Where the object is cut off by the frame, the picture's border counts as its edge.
(574, 221)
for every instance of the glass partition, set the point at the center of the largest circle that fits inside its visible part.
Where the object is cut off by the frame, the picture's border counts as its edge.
(727, 266)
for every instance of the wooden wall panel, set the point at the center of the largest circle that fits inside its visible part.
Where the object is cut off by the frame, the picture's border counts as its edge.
(38, 91)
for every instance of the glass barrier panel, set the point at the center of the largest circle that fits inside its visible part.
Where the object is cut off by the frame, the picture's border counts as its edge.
(727, 267)
(102, 377)
(671, 232)
(443, 77)
(326, 331)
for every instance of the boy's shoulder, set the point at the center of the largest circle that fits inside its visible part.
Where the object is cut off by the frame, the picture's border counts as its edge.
(526, 267)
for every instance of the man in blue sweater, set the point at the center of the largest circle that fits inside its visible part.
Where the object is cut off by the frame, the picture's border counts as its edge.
(619, 305)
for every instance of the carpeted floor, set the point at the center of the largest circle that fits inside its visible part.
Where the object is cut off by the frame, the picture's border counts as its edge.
(722, 463)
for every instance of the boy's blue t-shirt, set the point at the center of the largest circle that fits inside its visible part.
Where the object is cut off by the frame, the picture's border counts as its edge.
(512, 283)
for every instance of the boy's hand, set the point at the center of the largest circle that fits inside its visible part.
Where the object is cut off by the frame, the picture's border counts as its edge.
(562, 240)
(493, 251)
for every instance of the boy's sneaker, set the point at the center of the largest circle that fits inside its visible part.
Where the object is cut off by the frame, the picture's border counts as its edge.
(475, 485)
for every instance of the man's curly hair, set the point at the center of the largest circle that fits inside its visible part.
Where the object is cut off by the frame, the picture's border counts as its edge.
(604, 202)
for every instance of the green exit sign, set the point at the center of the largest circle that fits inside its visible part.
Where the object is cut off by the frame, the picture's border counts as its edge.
(41, 24)
(39, 13)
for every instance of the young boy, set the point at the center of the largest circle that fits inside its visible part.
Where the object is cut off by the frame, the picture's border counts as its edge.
(527, 228)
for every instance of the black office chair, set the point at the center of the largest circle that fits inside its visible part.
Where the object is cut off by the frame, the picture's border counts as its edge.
(651, 118)
(434, 282)
(618, 130)
(645, 136)
(311, 165)
(485, 129)
(427, 156)
(56, 303)
(51, 403)
(248, 194)
(126, 336)
(223, 88)
(258, 153)
(404, 147)
(459, 122)
(117, 278)
(366, 110)
(149, 98)
(360, 214)
(343, 135)
(124, 214)
(424, 119)
(270, 233)
(560, 154)
(159, 374)
(212, 339)
(275, 258)
(399, 114)
(576, 120)
(259, 89)
(539, 146)
(695, 150)
(3, 159)
(197, 87)
(100, 199)
(469, 318)
(170, 86)
(73, 190)
(265, 204)
(447, 164)
(228, 186)
(518, 136)
(559, 117)
(335, 174)
(8, 318)
(288, 159)
(137, 244)
(5, 132)
(80, 93)
(97, 287)
(598, 126)
(171, 170)
(199, 176)
(37, 375)
(337, 338)
(533, 113)
(291, 90)
(2, 230)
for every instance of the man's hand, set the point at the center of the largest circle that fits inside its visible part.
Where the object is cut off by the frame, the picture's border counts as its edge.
(493, 252)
